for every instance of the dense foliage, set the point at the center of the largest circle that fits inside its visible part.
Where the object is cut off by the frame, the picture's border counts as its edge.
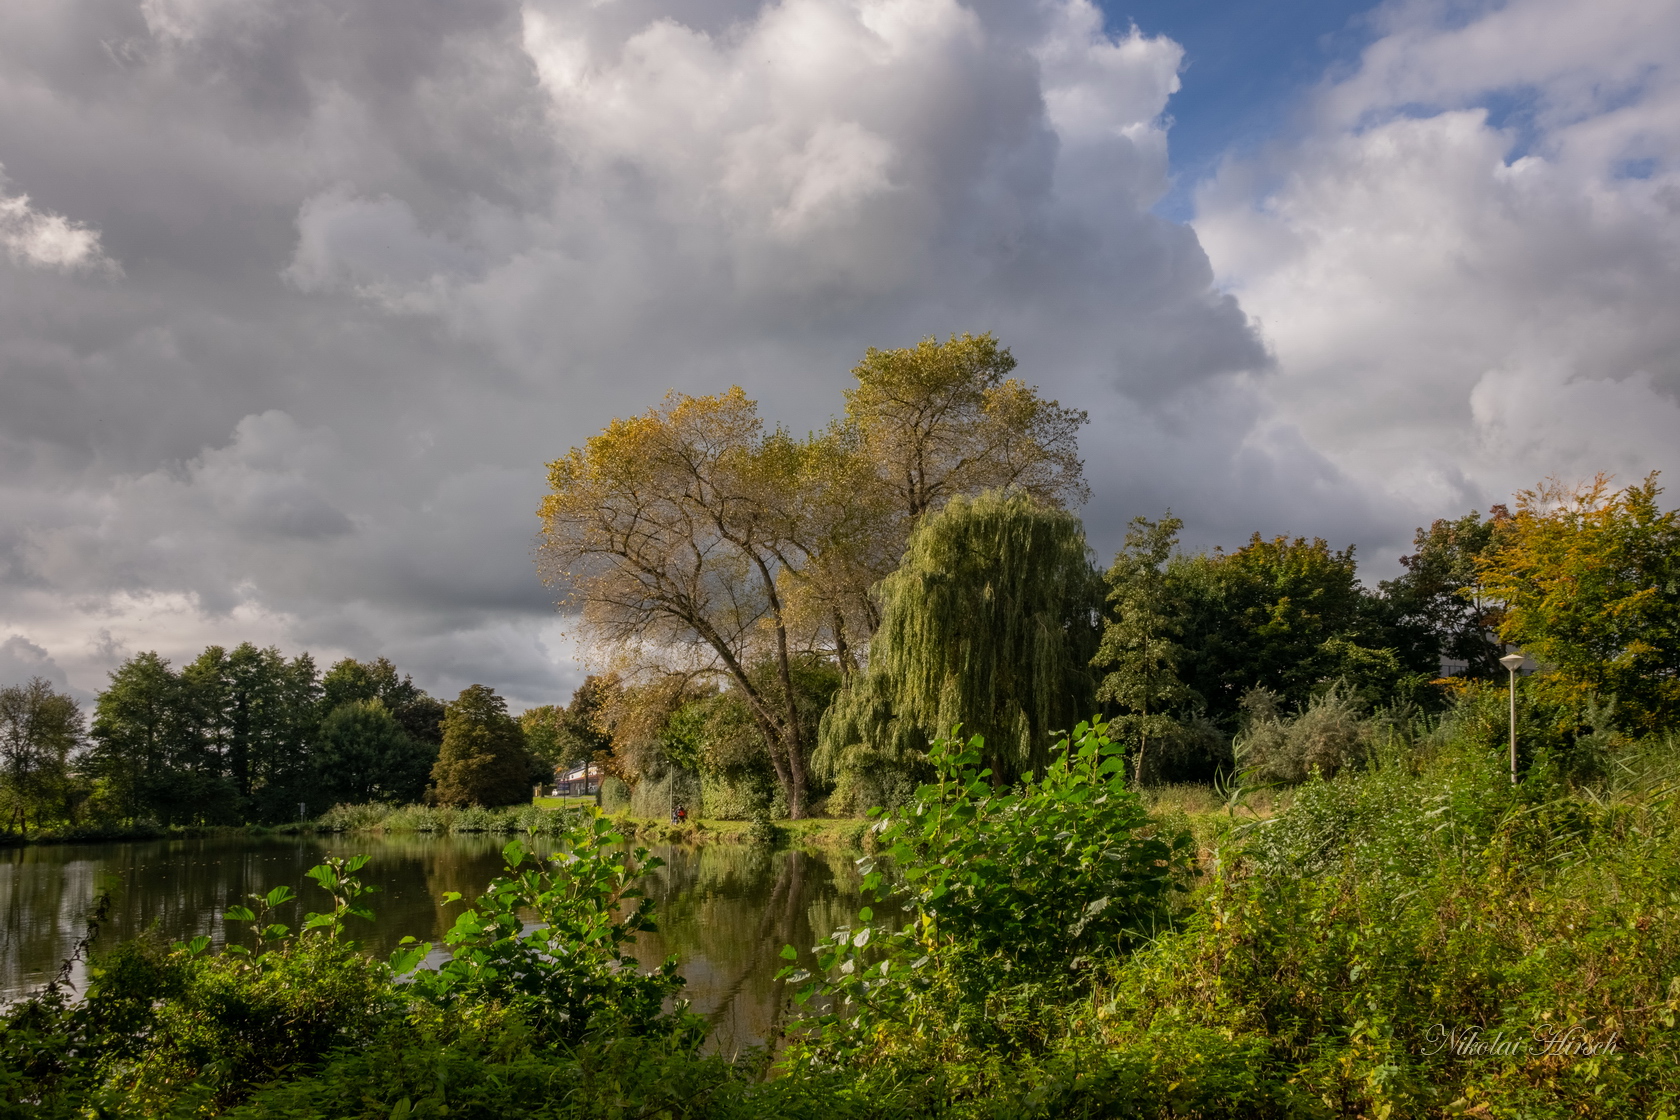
(1415, 937)
(483, 760)
(1589, 581)
(695, 541)
(40, 730)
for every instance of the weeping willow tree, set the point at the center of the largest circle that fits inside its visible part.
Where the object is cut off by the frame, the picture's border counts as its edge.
(990, 623)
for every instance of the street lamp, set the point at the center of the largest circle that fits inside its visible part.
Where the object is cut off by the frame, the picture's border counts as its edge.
(1511, 661)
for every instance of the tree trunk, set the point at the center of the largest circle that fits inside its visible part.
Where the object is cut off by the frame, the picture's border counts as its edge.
(843, 649)
(796, 785)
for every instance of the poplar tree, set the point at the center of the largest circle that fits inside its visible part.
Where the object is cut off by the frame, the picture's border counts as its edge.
(141, 734)
(990, 624)
(1138, 648)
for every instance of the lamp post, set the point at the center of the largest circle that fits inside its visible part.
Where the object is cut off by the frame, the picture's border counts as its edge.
(1511, 661)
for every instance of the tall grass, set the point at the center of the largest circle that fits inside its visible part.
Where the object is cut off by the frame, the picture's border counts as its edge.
(1419, 937)
(380, 817)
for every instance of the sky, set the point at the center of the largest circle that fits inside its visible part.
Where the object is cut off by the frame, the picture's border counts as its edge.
(296, 299)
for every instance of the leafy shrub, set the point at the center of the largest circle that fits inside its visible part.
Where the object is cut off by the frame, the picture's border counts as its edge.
(735, 797)
(615, 796)
(179, 1030)
(162, 1023)
(1010, 889)
(764, 831)
(1386, 908)
(1329, 734)
(354, 818)
(566, 971)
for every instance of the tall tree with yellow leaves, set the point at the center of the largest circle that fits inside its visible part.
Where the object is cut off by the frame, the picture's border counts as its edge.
(673, 533)
(1589, 579)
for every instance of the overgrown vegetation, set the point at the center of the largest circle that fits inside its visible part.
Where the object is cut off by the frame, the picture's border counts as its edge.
(379, 816)
(1413, 937)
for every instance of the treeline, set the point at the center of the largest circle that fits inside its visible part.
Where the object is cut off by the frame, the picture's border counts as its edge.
(250, 736)
(790, 621)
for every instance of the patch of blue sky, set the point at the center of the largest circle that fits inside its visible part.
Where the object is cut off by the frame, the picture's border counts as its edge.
(1247, 67)
(1643, 168)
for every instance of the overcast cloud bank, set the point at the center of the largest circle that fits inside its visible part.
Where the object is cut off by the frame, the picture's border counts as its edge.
(380, 261)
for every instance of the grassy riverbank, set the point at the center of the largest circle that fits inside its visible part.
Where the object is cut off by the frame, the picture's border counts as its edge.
(115, 833)
(551, 816)
(545, 817)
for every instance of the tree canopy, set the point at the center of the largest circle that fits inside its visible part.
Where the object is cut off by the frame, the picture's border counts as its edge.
(672, 533)
(483, 760)
(40, 730)
(943, 419)
(692, 540)
(250, 735)
(1589, 581)
(363, 754)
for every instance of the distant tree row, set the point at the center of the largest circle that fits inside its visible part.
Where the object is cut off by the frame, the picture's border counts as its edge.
(250, 736)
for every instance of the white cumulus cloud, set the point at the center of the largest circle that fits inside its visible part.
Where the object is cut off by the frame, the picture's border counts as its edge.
(1468, 267)
(43, 239)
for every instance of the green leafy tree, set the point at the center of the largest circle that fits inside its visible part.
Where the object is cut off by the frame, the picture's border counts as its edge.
(363, 754)
(674, 532)
(255, 714)
(483, 760)
(990, 624)
(254, 717)
(542, 727)
(1138, 649)
(943, 419)
(922, 425)
(1439, 607)
(144, 746)
(1284, 614)
(350, 680)
(578, 733)
(40, 729)
(1589, 580)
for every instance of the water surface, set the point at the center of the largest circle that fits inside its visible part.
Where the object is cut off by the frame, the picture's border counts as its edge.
(725, 910)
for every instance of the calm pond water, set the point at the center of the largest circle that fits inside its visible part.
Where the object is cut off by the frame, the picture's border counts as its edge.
(725, 910)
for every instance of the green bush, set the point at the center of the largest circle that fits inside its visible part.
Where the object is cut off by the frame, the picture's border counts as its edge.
(1011, 894)
(1328, 735)
(615, 796)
